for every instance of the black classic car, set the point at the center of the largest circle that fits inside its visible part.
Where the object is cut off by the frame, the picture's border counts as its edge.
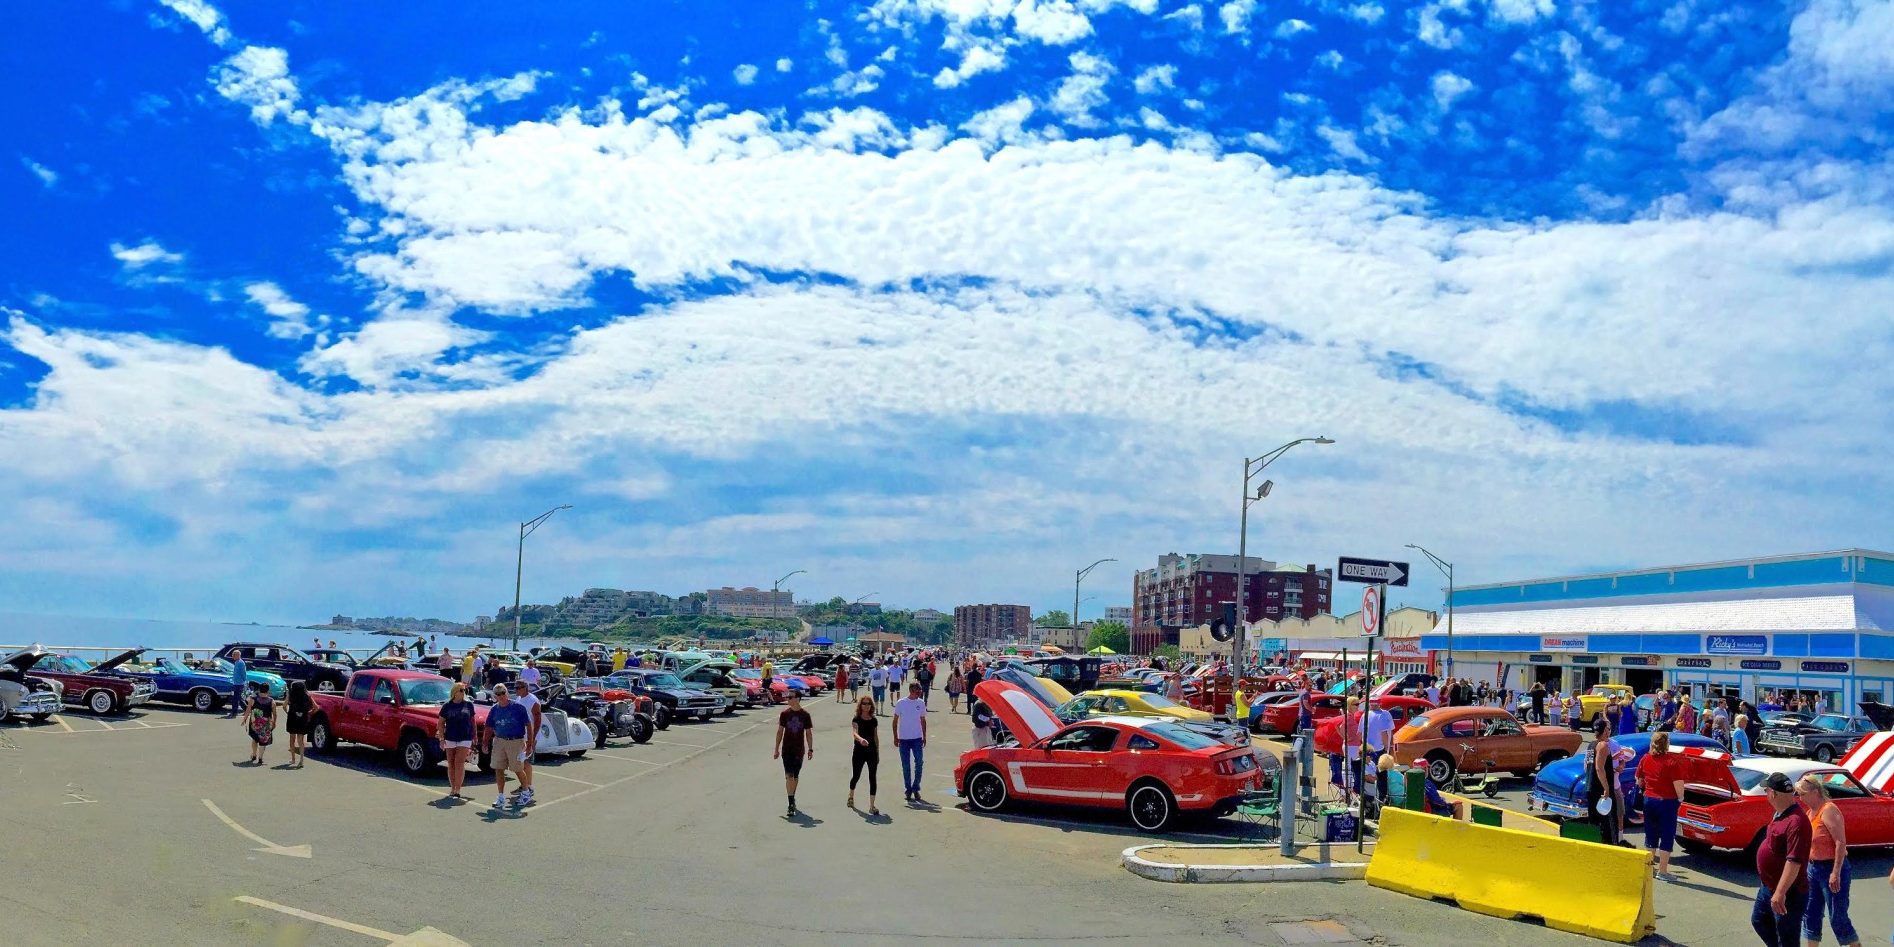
(676, 699)
(291, 664)
(1824, 739)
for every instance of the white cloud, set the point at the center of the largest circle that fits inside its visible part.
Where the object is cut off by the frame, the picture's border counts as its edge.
(1082, 90)
(784, 65)
(1236, 15)
(1834, 82)
(1448, 88)
(1520, 11)
(1342, 142)
(258, 76)
(144, 254)
(515, 87)
(203, 16)
(1290, 28)
(1369, 13)
(1155, 79)
(977, 59)
(289, 319)
(744, 74)
(1434, 31)
(47, 176)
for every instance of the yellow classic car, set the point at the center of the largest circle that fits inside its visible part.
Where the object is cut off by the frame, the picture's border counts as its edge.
(1132, 704)
(1592, 702)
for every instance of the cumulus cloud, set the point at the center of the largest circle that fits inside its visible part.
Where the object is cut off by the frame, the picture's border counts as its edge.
(47, 176)
(744, 74)
(1236, 15)
(144, 254)
(977, 59)
(203, 16)
(258, 76)
(1083, 90)
(289, 319)
(1449, 87)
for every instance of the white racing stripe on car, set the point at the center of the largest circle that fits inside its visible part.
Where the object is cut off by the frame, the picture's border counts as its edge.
(1016, 770)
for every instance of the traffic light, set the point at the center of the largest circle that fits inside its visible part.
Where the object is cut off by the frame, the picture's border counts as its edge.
(1224, 627)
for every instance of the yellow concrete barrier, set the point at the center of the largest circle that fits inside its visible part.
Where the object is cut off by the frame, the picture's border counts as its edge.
(1581, 887)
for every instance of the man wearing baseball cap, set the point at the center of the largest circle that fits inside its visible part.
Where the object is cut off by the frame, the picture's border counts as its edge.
(1781, 862)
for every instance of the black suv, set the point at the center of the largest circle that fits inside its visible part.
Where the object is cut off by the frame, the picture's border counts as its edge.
(291, 664)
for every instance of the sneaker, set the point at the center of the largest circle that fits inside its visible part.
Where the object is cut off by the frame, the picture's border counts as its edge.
(499, 801)
(1667, 876)
(524, 799)
(791, 813)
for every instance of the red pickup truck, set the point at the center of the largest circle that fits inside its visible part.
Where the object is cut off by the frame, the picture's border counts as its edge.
(388, 709)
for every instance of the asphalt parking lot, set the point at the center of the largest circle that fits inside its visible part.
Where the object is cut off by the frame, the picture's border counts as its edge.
(147, 829)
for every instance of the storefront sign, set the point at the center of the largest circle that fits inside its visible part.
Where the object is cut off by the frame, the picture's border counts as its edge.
(1564, 643)
(1693, 662)
(1539, 658)
(1737, 644)
(1402, 648)
(1584, 659)
(1825, 667)
(1762, 665)
(1273, 645)
(1639, 661)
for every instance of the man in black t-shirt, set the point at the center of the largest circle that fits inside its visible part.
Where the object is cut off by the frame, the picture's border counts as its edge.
(795, 742)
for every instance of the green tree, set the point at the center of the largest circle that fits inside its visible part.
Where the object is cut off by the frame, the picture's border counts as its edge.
(1053, 619)
(1111, 634)
(1169, 651)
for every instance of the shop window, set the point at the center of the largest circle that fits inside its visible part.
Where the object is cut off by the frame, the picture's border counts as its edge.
(1872, 696)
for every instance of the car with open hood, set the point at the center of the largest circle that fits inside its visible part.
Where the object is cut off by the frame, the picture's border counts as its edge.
(1328, 733)
(675, 699)
(1130, 703)
(712, 675)
(1824, 739)
(289, 663)
(24, 694)
(1154, 769)
(173, 681)
(1479, 739)
(1725, 806)
(1279, 715)
(1559, 788)
(94, 687)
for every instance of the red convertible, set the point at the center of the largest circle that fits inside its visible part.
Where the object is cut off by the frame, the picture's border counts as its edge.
(1724, 805)
(1150, 767)
(1328, 733)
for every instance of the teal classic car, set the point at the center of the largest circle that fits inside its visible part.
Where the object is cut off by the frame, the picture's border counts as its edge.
(206, 686)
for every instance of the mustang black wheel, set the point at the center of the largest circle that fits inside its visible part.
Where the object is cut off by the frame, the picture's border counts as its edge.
(1151, 806)
(986, 789)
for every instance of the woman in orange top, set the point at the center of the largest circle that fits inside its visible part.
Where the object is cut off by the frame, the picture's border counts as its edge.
(1828, 865)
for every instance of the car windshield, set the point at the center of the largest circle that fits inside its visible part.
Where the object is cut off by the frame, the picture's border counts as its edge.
(748, 674)
(1603, 691)
(1830, 722)
(1159, 701)
(1419, 722)
(426, 690)
(1182, 736)
(1747, 779)
(662, 680)
(286, 653)
(63, 663)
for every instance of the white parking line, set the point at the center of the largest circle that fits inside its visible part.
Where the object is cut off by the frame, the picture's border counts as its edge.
(583, 782)
(105, 725)
(628, 759)
(699, 746)
(656, 767)
(61, 720)
(70, 729)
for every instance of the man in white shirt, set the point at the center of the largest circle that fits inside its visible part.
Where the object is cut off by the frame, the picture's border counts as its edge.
(878, 686)
(1380, 729)
(524, 696)
(1433, 693)
(910, 736)
(529, 675)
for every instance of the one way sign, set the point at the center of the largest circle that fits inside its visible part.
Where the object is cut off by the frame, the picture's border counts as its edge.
(1350, 569)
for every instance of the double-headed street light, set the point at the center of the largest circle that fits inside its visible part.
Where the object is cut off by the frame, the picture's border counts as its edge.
(519, 565)
(1446, 567)
(1251, 467)
(1076, 579)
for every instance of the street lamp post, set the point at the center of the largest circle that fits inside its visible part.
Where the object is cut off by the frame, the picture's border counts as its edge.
(1446, 567)
(519, 565)
(774, 587)
(1078, 577)
(1251, 467)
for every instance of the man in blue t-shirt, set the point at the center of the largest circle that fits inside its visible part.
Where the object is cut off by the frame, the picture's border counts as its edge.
(239, 682)
(506, 739)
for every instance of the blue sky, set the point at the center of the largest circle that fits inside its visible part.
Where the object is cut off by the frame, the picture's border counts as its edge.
(307, 304)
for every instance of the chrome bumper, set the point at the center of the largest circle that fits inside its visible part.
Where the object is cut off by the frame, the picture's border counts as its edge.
(1566, 810)
(38, 702)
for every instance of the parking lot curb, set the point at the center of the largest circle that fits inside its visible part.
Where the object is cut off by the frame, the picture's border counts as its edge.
(1176, 873)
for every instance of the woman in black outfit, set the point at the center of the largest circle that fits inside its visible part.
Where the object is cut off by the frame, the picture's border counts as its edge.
(296, 720)
(867, 751)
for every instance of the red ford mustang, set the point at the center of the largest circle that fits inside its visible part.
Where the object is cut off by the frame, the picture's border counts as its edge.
(1280, 716)
(1150, 767)
(1724, 805)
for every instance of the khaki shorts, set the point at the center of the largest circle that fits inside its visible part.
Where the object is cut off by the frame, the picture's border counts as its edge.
(509, 754)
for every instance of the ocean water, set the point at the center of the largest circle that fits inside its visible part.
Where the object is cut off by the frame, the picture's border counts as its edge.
(73, 632)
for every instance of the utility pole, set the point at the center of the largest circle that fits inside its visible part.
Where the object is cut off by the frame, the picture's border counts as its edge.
(1251, 467)
(1446, 567)
(1078, 577)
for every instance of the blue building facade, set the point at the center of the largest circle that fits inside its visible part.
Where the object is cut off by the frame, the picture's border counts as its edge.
(1819, 624)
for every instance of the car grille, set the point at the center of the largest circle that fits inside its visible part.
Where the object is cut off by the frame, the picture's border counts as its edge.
(706, 703)
(39, 702)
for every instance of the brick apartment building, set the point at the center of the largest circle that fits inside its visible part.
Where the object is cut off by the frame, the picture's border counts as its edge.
(750, 602)
(1189, 590)
(975, 625)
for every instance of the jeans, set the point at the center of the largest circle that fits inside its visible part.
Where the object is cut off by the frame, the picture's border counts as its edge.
(1837, 902)
(1660, 824)
(911, 772)
(1778, 930)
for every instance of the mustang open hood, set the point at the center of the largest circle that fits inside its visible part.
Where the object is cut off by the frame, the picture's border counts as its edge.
(117, 659)
(1707, 767)
(24, 659)
(1025, 715)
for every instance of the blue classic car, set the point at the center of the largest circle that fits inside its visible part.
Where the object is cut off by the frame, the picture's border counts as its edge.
(1559, 788)
(205, 687)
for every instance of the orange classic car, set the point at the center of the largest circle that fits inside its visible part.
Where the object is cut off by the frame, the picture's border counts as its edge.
(1477, 740)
